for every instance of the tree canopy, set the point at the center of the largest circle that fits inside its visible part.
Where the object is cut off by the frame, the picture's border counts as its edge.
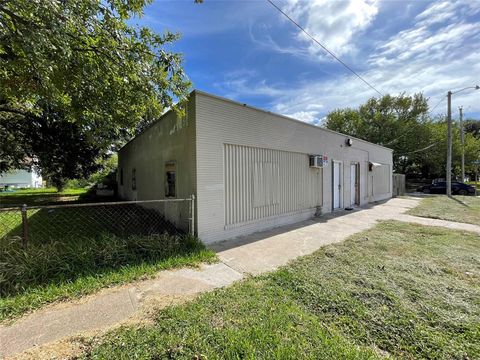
(79, 67)
(403, 124)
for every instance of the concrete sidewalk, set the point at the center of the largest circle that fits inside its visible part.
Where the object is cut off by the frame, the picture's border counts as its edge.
(254, 254)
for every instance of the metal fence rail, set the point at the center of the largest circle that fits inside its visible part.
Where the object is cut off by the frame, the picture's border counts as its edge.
(125, 218)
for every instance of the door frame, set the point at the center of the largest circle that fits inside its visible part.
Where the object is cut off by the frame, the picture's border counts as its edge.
(340, 183)
(357, 183)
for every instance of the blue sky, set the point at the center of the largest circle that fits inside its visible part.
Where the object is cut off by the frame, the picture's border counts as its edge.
(247, 51)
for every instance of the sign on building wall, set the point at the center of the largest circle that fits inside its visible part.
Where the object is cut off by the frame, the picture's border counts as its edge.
(325, 160)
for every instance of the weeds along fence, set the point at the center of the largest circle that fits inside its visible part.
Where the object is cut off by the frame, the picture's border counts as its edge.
(41, 224)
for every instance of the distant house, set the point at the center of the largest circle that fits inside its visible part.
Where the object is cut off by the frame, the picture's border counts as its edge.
(250, 169)
(21, 179)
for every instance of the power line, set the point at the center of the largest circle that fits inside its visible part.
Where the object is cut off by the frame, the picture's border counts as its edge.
(324, 48)
(420, 150)
(441, 100)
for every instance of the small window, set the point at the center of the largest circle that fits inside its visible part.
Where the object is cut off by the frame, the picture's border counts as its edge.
(134, 179)
(121, 176)
(170, 179)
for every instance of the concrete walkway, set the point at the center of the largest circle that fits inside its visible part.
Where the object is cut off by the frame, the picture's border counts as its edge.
(254, 254)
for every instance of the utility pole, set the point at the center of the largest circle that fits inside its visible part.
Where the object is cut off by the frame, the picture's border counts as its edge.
(462, 140)
(449, 145)
(448, 174)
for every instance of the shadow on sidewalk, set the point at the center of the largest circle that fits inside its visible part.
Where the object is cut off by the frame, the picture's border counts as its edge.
(232, 243)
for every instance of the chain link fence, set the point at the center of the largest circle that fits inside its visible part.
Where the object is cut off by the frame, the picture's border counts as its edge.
(41, 224)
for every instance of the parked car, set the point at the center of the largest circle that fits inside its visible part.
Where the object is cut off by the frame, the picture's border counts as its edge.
(440, 187)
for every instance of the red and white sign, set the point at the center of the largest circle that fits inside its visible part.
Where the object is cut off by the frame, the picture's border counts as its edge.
(325, 160)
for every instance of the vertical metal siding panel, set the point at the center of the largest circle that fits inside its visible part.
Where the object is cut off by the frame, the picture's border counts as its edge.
(238, 170)
(229, 184)
(284, 183)
(237, 187)
(262, 183)
(232, 187)
(291, 183)
(233, 184)
(242, 183)
(256, 190)
(249, 183)
(262, 187)
(225, 183)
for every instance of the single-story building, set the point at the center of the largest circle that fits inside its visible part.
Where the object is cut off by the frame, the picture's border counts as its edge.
(249, 169)
(21, 179)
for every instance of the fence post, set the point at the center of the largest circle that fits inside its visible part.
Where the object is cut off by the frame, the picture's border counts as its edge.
(192, 212)
(24, 226)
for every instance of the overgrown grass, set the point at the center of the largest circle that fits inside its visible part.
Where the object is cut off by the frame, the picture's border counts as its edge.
(464, 209)
(59, 270)
(72, 251)
(399, 290)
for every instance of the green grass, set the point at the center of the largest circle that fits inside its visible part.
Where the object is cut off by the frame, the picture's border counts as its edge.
(465, 209)
(398, 290)
(45, 273)
(73, 251)
(39, 196)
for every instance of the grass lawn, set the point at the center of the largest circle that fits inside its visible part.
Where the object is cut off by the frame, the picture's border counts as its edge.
(73, 251)
(399, 290)
(464, 209)
(66, 270)
(39, 196)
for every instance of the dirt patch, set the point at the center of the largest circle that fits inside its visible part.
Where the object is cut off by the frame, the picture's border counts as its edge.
(72, 347)
(64, 349)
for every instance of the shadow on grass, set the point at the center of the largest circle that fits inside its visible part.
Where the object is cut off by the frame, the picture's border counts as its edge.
(458, 201)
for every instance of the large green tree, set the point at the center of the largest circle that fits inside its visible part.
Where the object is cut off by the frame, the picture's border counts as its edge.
(403, 124)
(397, 122)
(83, 61)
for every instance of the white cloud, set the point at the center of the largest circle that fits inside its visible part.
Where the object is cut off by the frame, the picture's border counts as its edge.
(333, 23)
(306, 116)
(451, 11)
(239, 83)
(439, 52)
(266, 42)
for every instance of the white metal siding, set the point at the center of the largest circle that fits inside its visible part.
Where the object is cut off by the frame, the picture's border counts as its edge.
(261, 183)
(220, 122)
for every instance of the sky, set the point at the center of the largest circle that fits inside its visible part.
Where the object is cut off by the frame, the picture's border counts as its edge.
(249, 52)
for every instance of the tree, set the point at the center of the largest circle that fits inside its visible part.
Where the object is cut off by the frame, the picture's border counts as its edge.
(398, 122)
(472, 126)
(83, 61)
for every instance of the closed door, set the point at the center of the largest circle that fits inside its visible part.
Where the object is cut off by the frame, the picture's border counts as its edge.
(354, 184)
(337, 187)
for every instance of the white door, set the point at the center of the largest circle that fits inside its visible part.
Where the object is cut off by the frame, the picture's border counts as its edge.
(337, 187)
(353, 184)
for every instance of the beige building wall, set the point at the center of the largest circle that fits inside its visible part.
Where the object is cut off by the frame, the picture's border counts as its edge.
(247, 167)
(170, 140)
(227, 132)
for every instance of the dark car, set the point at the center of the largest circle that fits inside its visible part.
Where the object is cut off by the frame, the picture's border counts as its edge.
(440, 187)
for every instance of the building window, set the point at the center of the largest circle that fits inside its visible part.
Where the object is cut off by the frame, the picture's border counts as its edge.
(121, 176)
(170, 179)
(134, 179)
